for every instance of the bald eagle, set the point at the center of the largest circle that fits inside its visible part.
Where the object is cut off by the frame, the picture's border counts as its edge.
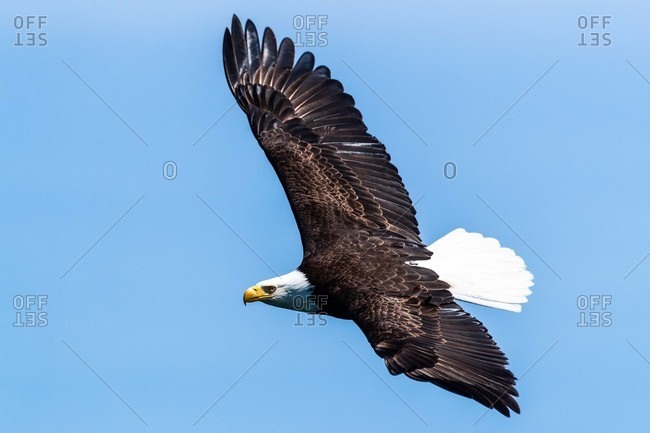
(363, 257)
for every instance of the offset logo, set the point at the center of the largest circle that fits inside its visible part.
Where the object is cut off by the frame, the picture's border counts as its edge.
(309, 30)
(310, 303)
(594, 311)
(30, 30)
(594, 31)
(30, 311)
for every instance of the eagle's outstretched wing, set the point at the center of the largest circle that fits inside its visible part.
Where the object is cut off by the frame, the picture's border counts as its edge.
(337, 177)
(430, 339)
(343, 190)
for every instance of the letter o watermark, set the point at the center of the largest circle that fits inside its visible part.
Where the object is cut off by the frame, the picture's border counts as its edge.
(169, 170)
(449, 170)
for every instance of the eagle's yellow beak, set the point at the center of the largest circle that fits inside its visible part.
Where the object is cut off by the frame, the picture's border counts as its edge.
(255, 293)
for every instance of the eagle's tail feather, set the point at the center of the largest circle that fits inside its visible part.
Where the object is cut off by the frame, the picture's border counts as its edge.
(480, 270)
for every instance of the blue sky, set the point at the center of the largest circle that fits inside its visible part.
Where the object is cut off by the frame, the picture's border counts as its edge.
(143, 275)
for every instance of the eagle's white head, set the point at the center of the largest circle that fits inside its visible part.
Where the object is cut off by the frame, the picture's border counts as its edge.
(292, 291)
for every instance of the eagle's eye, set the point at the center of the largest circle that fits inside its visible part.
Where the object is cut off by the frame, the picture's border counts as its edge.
(271, 289)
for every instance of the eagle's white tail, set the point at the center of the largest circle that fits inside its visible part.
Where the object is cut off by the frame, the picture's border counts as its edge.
(480, 270)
